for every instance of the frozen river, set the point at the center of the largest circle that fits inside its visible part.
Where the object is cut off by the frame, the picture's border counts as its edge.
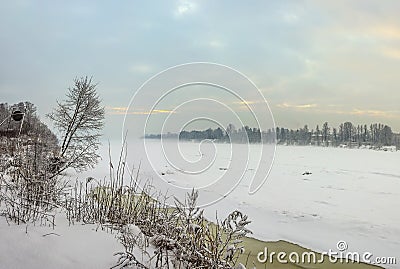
(351, 195)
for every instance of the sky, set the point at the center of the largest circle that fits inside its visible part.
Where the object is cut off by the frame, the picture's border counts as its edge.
(313, 61)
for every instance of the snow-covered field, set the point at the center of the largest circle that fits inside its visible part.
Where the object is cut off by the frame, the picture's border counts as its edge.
(351, 195)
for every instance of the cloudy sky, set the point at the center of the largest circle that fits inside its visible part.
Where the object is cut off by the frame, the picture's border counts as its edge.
(314, 61)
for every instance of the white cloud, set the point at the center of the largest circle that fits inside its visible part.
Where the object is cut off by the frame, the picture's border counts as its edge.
(375, 113)
(124, 110)
(248, 102)
(290, 17)
(141, 68)
(216, 44)
(185, 7)
(295, 106)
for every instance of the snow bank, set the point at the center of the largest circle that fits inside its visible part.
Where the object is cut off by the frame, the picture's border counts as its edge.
(36, 247)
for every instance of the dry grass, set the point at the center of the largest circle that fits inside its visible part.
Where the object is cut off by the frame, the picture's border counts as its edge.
(27, 190)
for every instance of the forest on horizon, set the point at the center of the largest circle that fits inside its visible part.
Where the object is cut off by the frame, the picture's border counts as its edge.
(347, 134)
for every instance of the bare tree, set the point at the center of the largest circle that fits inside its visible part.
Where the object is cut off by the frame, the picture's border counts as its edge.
(325, 133)
(79, 119)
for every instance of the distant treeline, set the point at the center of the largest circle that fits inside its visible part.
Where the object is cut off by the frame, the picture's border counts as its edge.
(346, 134)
